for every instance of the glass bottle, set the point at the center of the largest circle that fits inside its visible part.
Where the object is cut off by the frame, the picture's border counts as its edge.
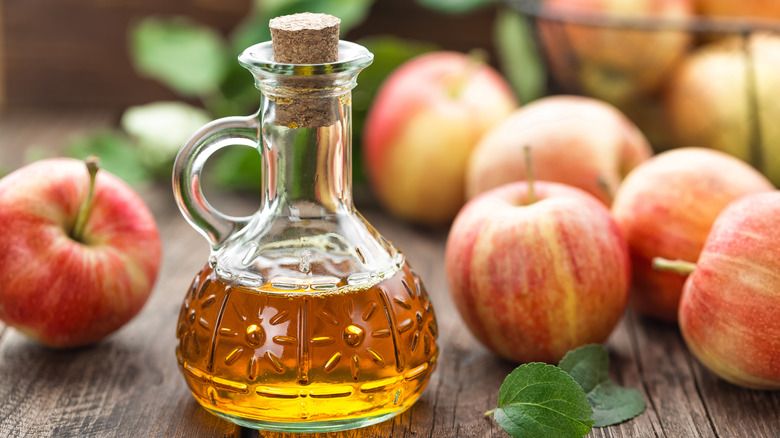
(304, 318)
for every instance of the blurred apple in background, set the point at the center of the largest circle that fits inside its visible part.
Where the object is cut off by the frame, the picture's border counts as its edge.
(761, 9)
(613, 64)
(424, 122)
(725, 96)
(666, 207)
(536, 276)
(730, 309)
(70, 278)
(574, 140)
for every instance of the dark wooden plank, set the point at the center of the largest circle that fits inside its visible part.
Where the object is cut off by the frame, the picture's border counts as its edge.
(665, 364)
(75, 52)
(126, 385)
(51, 38)
(758, 412)
(625, 370)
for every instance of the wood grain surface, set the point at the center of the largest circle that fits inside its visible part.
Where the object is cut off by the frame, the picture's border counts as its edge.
(128, 385)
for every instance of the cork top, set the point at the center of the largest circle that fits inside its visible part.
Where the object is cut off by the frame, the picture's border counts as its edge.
(305, 38)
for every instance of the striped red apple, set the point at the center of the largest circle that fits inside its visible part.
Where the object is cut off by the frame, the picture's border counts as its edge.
(79, 252)
(574, 140)
(730, 307)
(423, 124)
(666, 207)
(536, 275)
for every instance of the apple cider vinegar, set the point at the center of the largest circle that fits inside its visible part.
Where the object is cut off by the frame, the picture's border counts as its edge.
(305, 318)
(271, 355)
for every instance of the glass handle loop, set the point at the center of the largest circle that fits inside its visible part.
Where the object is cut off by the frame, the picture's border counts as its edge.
(214, 225)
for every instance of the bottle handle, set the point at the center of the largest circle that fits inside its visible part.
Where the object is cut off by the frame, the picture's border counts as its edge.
(214, 225)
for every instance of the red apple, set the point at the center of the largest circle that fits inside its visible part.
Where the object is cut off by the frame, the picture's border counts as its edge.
(666, 207)
(423, 124)
(724, 97)
(730, 308)
(613, 63)
(65, 284)
(574, 140)
(534, 279)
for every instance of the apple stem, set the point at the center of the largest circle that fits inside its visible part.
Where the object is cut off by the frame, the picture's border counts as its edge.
(604, 184)
(477, 58)
(681, 267)
(93, 165)
(529, 174)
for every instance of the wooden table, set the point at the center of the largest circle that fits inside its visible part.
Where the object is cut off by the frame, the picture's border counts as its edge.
(129, 384)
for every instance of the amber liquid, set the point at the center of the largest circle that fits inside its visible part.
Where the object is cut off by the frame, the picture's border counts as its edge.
(272, 356)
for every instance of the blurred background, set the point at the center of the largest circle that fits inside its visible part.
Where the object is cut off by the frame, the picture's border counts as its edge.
(76, 53)
(148, 73)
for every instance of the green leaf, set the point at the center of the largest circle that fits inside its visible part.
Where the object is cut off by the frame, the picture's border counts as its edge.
(237, 168)
(161, 128)
(612, 404)
(519, 56)
(117, 154)
(455, 6)
(540, 400)
(187, 57)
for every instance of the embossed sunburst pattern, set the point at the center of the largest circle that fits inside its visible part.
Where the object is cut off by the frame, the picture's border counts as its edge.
(323, 356)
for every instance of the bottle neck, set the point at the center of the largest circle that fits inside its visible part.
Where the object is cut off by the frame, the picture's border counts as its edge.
(307, 153)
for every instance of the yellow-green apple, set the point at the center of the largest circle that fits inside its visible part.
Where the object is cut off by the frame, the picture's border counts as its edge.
(534, 276)
(730, 307)
(574, 140)
(422, 126)
(79, 252)
(666, 207)
(724, 97)
(612, 61)
(753, 9)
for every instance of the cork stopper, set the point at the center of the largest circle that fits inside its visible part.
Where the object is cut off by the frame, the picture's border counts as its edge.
(305, 38)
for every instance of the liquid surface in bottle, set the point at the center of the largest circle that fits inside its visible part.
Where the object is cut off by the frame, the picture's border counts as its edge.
(275, 356)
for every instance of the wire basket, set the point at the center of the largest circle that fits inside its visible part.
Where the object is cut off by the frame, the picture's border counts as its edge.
(685, 81)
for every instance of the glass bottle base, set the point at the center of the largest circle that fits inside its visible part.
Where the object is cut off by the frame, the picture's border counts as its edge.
(335, 425)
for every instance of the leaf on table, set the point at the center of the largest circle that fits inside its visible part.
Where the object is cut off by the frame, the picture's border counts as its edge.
(188, 57)
(518, 55)
(117, 154)
(455, 6)
(540, 400)
(612, 403)
(161, 128)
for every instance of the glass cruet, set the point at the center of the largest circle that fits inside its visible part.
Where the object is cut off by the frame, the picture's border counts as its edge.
(304, 318)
